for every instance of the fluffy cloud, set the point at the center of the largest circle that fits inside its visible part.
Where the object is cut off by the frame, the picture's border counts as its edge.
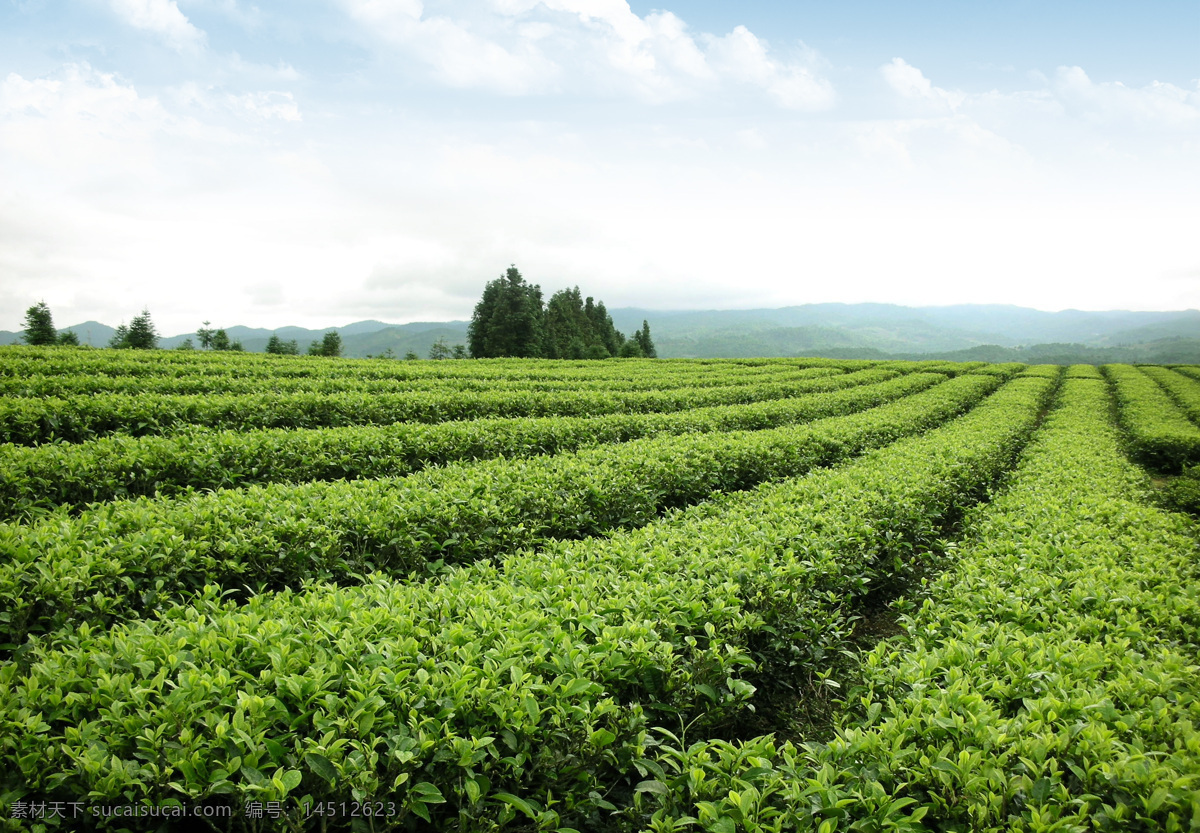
(163, 18)
(912, 84)
(520, 47)
(1158, 104)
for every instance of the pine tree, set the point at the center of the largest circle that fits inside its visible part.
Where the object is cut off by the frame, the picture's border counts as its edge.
(568, 330)
(142, 335)
(508, 320)
(331, 344)
(120, 337)
(39, 325)
(642, 337)
(279, 347)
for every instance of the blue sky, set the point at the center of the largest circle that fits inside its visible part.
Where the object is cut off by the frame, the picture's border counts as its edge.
(324, 161)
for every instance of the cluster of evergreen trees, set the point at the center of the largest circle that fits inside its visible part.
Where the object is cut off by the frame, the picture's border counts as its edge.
(511, 320)
(39, 327)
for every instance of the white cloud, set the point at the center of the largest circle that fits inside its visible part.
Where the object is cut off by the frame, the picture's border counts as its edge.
(743, 57)
(1157, 105)
(522, 47)
(79, 120)
(912, 84)
(163, 18)
(268, 105)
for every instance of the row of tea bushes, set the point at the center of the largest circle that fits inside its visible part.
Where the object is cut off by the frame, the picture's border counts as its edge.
(130, 558)
(1159, 433)
(525, 690)
(25, 361)
(31, 420)
(65, 386)
(1050, 682)
(1183, 389)
(42, 477)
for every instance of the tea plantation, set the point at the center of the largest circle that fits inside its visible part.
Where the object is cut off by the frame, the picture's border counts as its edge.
(246, 592)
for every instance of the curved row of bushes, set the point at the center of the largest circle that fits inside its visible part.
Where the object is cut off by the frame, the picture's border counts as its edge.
(32, 420)
(132, 558)
(1159, 434)
(34, 478)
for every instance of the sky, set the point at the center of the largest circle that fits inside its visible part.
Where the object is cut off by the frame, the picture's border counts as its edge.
(318, 162)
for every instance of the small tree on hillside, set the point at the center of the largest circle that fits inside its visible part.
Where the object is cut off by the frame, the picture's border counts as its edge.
(278, 347)
(142, 334)
(440, 350)
(120, 337)
(68, 337)
(205, 334)
(631, 349)
(219, 340)
(642, 337)
(39, 325)
(330, 345)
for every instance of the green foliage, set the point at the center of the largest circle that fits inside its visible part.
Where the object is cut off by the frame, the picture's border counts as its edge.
(330, 345)
(1160, 434)
(39, 325)
(631, 349)
(142, 333)
(555, 587)
(139, 334)
(40, 418)
(185, 345)
(37, 478)
(508, 320)
(1049, 683)
(278, 347)
(67, 338)
(206, 335)
(537, 691)
(440, 350)
(452, 514)
(220, 340)
(1182, 389)
(644, 342)
(1182, 494)
(120, 337)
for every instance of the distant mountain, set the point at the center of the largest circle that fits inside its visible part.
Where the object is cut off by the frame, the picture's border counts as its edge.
(887, 328)
(962, 332)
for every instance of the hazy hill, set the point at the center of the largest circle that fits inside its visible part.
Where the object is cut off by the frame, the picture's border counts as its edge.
(963, 332)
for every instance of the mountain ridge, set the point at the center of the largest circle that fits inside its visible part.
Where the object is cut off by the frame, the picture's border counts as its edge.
(836, 330)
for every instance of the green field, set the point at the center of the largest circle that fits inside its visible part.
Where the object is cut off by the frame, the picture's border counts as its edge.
(297, 593)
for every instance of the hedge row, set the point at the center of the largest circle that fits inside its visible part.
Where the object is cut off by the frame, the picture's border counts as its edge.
(41, 477)
(1160, 435)
(1183, 389)
(83, 384)
(129, 558)
(27, 421)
